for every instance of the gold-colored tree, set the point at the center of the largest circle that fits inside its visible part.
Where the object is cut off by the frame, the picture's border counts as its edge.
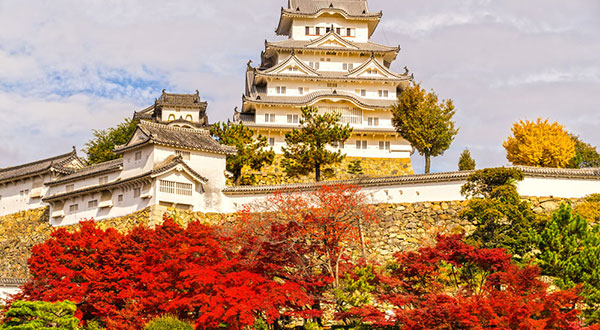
(539, 143)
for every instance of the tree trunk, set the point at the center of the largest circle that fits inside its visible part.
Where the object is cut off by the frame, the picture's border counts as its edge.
(427, 163)
(318, 172)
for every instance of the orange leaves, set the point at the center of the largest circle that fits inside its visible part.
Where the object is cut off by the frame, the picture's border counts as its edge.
(539, 143)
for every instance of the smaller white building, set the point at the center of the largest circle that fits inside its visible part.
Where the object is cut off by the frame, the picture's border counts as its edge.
(22, 187)
(161, 165)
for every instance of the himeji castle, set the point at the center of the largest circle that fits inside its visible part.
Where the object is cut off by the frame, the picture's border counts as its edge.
(328, 62)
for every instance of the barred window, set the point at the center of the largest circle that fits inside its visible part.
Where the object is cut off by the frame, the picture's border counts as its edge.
(73, 207)
(348, 115)
(177, 188)
(93, 204)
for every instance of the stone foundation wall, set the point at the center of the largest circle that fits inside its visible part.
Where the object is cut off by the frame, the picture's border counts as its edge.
(399, 227)
(376, 167)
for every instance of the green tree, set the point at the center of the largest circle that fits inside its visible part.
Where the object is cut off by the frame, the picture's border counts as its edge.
(251, 150)
(585, 155)
(466, 162)
(355, 167)
(424, 122)
(569, 251)
(168, 323)
(500, 217)
(306, 147)
(100, 148)
(34, 315)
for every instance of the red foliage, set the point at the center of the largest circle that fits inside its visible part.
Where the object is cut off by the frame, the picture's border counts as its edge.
(125, 279)
(456, 286)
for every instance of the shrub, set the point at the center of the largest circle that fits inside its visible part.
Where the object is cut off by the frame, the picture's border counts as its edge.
(33, 315)
(167, 322)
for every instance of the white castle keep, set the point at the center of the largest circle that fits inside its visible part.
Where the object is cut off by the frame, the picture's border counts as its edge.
(327, 62)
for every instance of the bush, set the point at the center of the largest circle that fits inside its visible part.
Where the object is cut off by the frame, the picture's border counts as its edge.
(32, 315)
(167, 322)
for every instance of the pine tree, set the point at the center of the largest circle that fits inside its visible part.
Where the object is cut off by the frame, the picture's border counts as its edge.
(424, 122)
(585, 155)
(306, 147)
(569, 251)
(355, 167)
(251, 150)
(466, 162)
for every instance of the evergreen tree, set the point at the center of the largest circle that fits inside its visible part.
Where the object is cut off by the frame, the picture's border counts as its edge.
(100, 148)
(501, 218)
(539, 143)
(569, 251)
(355, 167)
(466, 162)
(306, 147)
(424, 122)
(251, 150)
(585, 155)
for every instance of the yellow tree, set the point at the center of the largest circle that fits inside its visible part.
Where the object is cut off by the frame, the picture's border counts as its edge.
(540, 144)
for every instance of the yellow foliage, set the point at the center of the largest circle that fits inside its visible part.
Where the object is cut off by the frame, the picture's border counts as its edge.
(540, 144)
(590, 211)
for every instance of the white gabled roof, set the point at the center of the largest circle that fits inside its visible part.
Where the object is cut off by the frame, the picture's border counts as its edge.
(332, 39)
(292, 62)
(373, 65)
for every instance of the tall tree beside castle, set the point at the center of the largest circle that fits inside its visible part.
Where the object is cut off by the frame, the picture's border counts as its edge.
(329, 63)
(306, 148)
(251, 151)
(425, 122)
(539, 143)
(585, 155)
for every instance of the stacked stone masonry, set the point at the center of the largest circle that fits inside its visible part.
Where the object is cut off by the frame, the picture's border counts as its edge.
(371, 167)
(404, 226)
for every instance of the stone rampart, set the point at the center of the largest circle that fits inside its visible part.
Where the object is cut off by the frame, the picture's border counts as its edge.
(400, 226)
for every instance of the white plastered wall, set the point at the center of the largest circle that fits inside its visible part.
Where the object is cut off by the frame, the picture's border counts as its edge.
(14, 199)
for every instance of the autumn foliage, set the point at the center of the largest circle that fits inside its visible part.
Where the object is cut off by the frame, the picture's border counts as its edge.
(289, 259)
(539, 143)
(457, 286)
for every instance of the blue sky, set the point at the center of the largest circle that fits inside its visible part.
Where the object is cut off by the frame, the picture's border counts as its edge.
(67, 67)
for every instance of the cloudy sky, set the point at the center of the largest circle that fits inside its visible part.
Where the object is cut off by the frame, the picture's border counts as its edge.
(67, 67)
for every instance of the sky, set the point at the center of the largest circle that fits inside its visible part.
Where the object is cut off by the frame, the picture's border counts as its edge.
(68, 67)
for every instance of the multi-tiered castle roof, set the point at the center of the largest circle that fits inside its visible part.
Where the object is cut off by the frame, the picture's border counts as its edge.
(329, 62)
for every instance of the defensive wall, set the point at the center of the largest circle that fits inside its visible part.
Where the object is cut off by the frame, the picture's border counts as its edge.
(411, 210)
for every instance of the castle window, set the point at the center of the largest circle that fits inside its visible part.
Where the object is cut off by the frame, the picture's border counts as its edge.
(332, 85)
(93, 204)
(307, 30)
(361, 92)
(138, 155)
(318, 31)
(269, 117)
(338, 30)
(314, 65)
(120, 198)
(348, 32)
(348, 66)
(384, 145)
(292, 119)
(188, 117)
(361, 144)
(69, 187)
(383, 93)
(186, 155)
(103, 180)
(293, 68)
(272, 142)
(137, 192)
(171, 117)
(73, 207)
(301, 90)
(280, 89)
(177, 188)
(327, 29)
(373, 121)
